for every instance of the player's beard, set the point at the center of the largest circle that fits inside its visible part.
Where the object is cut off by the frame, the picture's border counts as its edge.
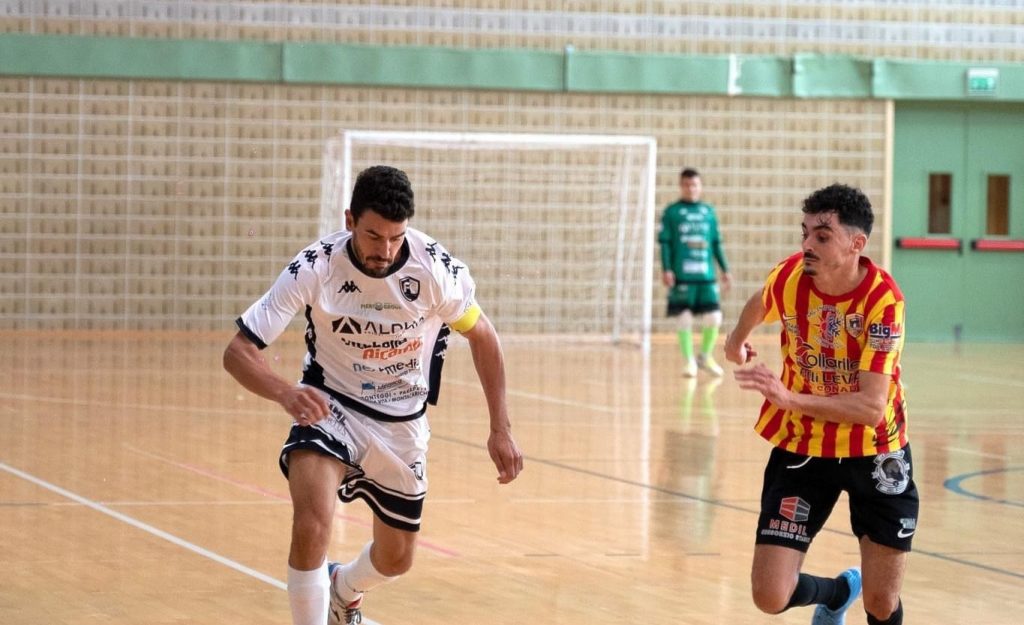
(811, 270)
(380, 266)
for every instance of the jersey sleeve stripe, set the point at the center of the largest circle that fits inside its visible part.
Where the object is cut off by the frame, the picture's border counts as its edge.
(249, 334)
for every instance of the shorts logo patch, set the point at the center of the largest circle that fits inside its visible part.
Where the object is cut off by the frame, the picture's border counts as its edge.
(892, 473)
(417, 470)
(909, 526)
(795, 509)
(410, 288)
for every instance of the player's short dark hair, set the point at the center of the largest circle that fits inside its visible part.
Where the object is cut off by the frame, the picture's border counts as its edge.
(850, 205)
(689, 172)
(384, 190)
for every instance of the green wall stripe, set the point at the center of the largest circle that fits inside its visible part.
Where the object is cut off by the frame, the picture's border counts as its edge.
(765, 76)
(830, 76)
(116, 57)
(924, 80)
(517, 70)
(610, 72)
(802, 76)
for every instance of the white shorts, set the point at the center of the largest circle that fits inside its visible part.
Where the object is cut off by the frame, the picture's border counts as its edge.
(387, 460)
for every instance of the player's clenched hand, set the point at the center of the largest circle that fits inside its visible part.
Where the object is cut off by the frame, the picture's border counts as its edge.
(306, 405)
(739, 353)
(761, 379)
(505, 454)
(668, 279)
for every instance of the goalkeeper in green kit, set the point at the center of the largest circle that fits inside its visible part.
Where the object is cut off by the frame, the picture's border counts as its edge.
(689, 239)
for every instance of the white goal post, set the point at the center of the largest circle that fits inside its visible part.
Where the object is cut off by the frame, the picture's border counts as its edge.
(557, 229)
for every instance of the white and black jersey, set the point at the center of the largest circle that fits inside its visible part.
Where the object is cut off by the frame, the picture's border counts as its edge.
(376, 344)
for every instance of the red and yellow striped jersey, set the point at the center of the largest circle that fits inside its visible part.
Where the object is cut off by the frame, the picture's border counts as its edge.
(826, 341)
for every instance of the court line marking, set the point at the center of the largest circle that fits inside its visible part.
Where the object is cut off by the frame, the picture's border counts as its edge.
(973, 452)
(426, 544)
(145, 527)
(539, 397)
(722, 504)
(144, 504)
(110, 404)
(955, 484)
(155, 531)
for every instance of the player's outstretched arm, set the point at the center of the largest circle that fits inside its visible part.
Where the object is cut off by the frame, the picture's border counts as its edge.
(490, 368)
(242, 359)
(866, 405)
(737, 349)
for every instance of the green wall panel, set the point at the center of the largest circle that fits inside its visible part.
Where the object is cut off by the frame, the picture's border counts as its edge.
(116, 57)
(803, 76)
(646, 73)
(520, 70)
(923, 80)
(828, 76)
(765, 76)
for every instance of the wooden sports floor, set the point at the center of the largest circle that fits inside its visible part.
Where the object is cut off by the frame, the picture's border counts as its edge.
(139, 485)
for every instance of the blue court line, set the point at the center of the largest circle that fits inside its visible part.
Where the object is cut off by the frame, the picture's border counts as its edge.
(721, 504)
(955, 484)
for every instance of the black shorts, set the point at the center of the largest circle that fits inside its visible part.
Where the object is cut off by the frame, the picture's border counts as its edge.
(697, 297)
(799, 493)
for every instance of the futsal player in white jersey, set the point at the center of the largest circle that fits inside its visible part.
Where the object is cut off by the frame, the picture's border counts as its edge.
(378, 299)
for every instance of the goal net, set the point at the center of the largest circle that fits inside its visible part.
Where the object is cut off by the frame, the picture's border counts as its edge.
(558, 230)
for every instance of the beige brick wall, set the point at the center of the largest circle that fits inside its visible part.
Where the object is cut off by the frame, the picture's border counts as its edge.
(925, 29)
(151, 204)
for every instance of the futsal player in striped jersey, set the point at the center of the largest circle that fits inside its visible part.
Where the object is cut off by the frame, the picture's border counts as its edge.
(379, 299)
(837, 416)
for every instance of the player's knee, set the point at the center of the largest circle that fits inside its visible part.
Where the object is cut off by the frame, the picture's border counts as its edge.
(311, 532)
(880, 603)
(769, 596)
(711, 319)
(686, 321)
(394, 562)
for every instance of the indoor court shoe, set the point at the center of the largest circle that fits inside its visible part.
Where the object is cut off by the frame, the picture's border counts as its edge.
(690, 369)
(342, 613)
(824, 616)
(707, 363)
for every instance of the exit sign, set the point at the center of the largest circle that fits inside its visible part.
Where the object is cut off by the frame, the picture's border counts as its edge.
(982, 81)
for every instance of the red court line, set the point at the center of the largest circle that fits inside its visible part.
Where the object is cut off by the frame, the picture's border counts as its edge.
(259, 490)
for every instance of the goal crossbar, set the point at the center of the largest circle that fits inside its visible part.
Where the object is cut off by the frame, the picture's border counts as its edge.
(339, 150)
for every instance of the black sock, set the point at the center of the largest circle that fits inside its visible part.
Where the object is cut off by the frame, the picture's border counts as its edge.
(896, 618)
(811, 590)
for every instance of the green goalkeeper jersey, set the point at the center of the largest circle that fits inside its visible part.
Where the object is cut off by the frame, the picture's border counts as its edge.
(689, 237)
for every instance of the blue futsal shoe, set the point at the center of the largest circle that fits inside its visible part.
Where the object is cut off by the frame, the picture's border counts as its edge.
(824, 616)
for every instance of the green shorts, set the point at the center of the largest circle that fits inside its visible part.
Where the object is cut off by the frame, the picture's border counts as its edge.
(697, 297)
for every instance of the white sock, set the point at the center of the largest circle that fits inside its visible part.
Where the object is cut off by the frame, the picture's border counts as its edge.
(359, 576)
(308, 595)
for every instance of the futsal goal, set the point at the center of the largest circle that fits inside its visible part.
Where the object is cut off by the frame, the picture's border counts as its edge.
(557, 229)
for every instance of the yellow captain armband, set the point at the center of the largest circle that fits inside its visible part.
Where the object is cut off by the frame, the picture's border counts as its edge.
(468, 319)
